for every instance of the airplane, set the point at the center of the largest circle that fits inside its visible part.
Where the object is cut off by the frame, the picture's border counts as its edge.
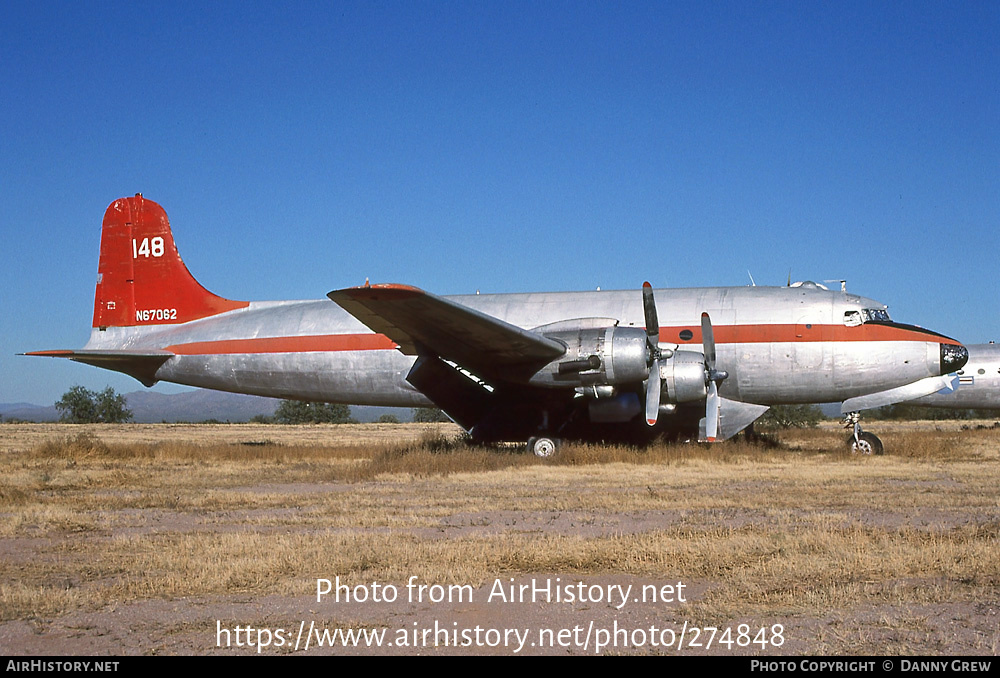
(535, 367)
(978, 385)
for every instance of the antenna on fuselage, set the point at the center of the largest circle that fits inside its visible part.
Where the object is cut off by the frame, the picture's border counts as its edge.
(752, 283)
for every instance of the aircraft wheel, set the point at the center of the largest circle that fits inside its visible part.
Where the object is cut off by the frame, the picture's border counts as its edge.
(867, 444)
(543, 447)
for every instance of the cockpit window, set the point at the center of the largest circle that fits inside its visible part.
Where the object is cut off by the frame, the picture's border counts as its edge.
(866, 315)
(875, 315)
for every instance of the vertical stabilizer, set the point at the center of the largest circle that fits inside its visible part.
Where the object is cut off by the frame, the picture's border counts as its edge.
(141, 279)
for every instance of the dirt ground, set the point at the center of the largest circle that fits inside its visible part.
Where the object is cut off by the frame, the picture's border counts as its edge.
(20, 436)
(532, 605)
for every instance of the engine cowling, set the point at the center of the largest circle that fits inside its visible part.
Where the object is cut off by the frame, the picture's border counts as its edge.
(684, 377)
(597, 357)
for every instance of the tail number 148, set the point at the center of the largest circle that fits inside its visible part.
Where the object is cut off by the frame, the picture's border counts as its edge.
(148, 247)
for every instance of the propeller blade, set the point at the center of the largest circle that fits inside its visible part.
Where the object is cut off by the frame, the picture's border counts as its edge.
(649, 311)
(713, 376)
(653, 344)
(708, 341)
(653, 394)
(712, 412)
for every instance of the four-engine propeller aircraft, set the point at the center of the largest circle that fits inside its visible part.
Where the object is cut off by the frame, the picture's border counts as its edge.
(978, 385)
(536, 367)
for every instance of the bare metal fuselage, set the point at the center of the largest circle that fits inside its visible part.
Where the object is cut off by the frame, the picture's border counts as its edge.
(978, 382)
(504, 366)
(779, 345)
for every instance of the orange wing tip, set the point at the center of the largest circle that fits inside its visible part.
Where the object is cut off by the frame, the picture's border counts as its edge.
(379, 291)
(52, 354)
(388, 286)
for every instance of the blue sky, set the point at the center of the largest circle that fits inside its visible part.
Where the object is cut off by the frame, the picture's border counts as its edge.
(500, 146)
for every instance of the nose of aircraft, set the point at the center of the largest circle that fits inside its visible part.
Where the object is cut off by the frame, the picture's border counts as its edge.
(953, 357)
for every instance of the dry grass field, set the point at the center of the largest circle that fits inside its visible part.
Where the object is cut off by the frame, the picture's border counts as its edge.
(195, 539)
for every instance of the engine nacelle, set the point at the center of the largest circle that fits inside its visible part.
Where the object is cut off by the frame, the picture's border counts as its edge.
(599, 359)
(596, 357)
(683, 376)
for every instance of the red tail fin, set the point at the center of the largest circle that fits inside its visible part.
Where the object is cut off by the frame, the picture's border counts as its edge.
(141, 279)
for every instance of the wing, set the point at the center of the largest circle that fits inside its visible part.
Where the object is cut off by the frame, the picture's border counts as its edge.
(424, 324)
(916, 389)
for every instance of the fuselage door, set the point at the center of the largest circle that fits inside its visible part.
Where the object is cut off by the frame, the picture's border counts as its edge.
(809, 351)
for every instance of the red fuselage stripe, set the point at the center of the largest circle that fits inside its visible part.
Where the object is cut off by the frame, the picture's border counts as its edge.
(724, 334)
(304, 344)
(757, 334)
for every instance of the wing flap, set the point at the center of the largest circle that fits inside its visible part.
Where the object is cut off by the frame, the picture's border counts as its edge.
(424, 324)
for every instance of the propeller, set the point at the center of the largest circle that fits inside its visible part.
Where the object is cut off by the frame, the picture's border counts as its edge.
(713, 377)
(654, 354)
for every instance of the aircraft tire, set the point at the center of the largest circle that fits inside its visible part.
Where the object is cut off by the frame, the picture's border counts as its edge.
(866, 445)
(543, 447)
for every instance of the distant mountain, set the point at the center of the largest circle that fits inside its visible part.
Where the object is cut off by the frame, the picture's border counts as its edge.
(151, 407)
(200, 405)
(192, 406)
(831, 410)
(28, 412)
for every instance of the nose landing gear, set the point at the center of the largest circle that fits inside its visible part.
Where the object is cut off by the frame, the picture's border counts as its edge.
(861, 442)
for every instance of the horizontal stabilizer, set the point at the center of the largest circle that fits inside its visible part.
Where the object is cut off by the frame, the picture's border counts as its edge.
(141, 365)
(425, 324)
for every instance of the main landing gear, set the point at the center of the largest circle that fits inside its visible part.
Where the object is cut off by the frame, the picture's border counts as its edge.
(543, 447)
(861, 442)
